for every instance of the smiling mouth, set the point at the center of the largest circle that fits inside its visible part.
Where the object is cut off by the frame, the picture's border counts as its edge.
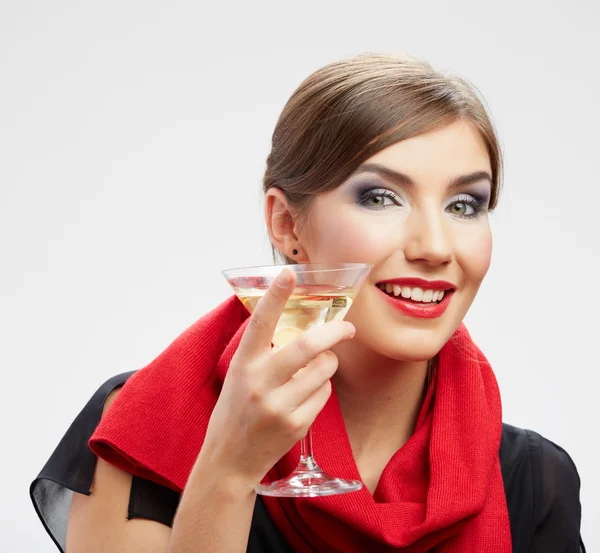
(413, 294)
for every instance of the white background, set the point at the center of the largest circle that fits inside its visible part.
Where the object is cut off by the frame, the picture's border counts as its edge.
(133, 136)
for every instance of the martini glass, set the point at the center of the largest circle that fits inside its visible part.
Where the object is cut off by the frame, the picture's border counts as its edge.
(323, 292)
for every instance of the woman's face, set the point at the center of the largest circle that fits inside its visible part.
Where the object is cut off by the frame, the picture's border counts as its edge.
(417, 209)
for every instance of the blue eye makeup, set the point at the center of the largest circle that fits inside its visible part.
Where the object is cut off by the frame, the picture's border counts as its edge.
(376, 198)
(463, 206)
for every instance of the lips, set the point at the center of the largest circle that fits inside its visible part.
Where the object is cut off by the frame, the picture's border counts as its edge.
(418, 309)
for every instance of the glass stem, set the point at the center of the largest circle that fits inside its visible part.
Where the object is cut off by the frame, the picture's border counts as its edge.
(307, 461)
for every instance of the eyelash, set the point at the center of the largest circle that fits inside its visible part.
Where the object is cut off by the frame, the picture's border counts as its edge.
(366, 195)
(476, 203)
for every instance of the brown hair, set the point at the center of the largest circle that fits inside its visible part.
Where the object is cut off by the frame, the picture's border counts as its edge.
(347, 111)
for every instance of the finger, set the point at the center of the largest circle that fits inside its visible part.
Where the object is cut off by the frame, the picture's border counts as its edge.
(308, 380)
(308, 411)
(285, 362)
(263, 321)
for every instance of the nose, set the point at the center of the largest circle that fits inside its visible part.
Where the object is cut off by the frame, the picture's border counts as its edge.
(427, 239)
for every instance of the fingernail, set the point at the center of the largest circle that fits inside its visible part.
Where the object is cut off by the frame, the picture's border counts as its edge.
(351, 330)
(284, 278)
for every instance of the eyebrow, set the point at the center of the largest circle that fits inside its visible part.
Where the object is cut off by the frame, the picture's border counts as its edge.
(404, 180)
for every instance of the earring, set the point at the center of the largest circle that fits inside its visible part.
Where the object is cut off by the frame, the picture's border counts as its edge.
(294, 252)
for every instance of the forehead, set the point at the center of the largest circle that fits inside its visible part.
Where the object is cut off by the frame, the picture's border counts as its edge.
(454, 150)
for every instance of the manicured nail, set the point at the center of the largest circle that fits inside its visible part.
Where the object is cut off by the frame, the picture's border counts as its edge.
(284, 278)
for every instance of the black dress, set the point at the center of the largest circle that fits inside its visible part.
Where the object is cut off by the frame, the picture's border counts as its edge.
(540, 481)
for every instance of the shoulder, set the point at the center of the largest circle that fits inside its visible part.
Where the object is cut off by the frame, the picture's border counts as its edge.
(72, 463)
(542, 485)
(102, 398)
(112, 395)
(552, 459)
(521, 447)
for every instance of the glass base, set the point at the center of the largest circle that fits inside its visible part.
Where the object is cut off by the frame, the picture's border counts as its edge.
(308, 483)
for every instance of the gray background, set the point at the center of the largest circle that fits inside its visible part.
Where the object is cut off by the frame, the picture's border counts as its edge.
(133, 137)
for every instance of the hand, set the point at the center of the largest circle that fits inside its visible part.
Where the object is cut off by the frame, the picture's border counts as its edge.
(267, 403)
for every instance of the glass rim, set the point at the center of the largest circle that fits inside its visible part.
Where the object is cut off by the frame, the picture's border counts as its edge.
(327, 267)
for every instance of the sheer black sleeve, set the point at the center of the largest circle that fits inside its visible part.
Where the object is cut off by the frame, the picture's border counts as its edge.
(70, 468)
(556, 512)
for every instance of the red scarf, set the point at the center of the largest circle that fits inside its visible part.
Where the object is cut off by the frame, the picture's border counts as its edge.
(442, 489)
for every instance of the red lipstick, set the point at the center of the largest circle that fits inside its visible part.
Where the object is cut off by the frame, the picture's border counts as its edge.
(419, 309)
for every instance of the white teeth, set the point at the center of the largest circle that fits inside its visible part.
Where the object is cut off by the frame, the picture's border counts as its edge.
(416, 294)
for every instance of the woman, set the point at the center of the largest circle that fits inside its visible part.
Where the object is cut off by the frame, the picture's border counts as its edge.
(375, 159)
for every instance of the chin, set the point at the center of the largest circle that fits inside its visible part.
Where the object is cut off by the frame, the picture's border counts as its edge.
(410, 351)
(408, 344)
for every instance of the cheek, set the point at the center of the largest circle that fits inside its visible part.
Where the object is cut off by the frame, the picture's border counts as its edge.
(349, 239)
(474, 255)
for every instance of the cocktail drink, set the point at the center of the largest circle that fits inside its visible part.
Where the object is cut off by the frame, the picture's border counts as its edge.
(323, 292)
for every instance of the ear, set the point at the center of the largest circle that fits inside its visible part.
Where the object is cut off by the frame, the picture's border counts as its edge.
(281, 222)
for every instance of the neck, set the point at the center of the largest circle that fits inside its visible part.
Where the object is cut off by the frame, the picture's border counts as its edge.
(380, 398)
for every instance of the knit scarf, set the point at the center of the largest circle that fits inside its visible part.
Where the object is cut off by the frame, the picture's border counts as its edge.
(442, 489)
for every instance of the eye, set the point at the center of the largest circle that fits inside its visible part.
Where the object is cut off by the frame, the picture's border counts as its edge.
(378, 198)
(466, 207)
(461, 208)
